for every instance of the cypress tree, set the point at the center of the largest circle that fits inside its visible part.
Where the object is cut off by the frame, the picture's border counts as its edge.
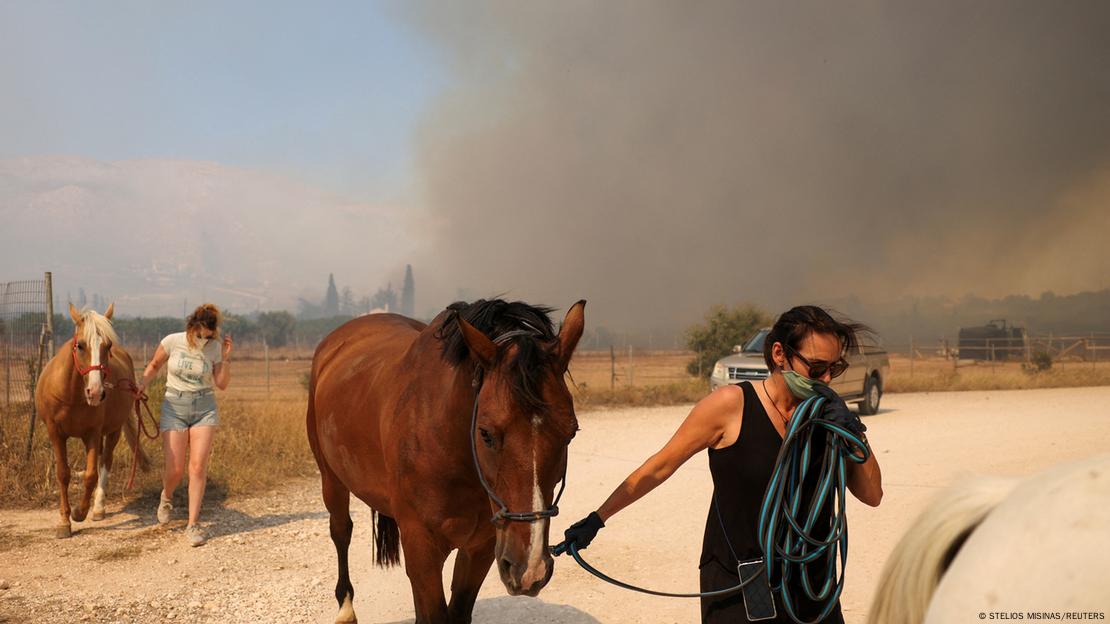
(331, 299)
(408, 294)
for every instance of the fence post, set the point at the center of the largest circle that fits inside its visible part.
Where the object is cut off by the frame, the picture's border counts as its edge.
(990, 343)
(266, 355)
(911, 355)
(612, 368)
(7, 354)
(31, 391)
(46, 338)
(49, 282)
(631, 370)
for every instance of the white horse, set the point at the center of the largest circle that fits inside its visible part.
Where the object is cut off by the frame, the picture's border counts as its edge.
(993, 548)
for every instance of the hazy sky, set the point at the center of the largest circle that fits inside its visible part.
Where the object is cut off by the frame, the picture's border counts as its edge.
(652, 157)
(328, 92)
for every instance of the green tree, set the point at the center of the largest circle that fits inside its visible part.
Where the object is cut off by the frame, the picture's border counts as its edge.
(331, 298)
(276, 327)
(408, 294)
(241, 327)
(723, 328)
(385, 299)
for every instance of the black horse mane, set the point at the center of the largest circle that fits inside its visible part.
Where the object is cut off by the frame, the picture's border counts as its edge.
(494, 318)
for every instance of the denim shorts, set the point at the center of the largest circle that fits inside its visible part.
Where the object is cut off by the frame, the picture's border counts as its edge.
(182, 410)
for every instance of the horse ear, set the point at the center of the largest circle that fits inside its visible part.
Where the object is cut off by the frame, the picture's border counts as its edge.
(571, 331)
(111, 309)
(74, 314)
(480, 346)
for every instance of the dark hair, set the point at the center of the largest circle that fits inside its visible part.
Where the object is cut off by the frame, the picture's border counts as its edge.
(800, 321)
(206, 316)
(494, 318)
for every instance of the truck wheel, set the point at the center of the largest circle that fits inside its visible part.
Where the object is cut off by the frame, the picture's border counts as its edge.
(872, 393)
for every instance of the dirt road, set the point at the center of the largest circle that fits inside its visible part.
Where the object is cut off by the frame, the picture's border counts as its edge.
(270, 559)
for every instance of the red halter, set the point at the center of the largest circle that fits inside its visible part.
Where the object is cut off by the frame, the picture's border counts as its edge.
(103, 368)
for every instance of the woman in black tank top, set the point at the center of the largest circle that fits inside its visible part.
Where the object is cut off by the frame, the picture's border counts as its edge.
(742, 427)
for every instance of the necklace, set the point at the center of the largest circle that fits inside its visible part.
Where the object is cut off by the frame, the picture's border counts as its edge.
(775, 405)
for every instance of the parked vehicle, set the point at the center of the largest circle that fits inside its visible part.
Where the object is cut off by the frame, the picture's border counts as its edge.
(862, 383)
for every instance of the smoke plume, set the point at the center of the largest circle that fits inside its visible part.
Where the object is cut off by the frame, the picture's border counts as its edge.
(656, 157)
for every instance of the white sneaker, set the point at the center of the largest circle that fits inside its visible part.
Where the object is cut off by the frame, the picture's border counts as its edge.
(195, 535)
(165, 507)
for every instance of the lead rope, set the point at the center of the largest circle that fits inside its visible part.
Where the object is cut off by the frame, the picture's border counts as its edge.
(141, 402)
(780, 534)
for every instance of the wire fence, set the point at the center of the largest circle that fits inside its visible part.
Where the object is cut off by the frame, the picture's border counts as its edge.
(1030, 352)
(25, 343)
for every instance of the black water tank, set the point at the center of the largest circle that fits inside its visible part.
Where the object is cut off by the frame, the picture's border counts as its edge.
(1008, 342)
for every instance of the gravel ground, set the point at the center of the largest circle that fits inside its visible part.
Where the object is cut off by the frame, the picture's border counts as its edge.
(269, 558)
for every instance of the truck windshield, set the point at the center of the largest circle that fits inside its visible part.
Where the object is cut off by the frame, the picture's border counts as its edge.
(755, 344)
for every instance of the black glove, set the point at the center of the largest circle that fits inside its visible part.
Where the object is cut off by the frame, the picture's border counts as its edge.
(836, 410)
(580, 533)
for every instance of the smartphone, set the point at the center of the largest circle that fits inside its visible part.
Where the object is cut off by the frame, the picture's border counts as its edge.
(759, 603)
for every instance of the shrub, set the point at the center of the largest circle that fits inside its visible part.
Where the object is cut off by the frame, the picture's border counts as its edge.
(723, 328)
(1038, 362)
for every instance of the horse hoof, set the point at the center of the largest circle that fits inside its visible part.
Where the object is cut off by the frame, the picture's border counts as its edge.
(63, 531)
(98, 514)
(346, 613)
(78, 516)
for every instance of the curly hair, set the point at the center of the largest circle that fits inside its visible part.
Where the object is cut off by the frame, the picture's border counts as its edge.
(206, 316)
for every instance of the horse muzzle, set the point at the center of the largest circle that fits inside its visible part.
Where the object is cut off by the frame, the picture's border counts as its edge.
(524, 580)
(525, 570)
(93, 396)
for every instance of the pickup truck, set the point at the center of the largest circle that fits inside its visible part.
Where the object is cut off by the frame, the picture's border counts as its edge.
(862, 383)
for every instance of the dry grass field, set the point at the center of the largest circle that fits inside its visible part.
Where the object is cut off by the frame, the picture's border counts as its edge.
(942, 375)
(261, 444)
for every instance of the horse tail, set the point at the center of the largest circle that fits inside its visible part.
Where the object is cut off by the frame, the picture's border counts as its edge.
(387, 541)
(132, 436)
(925, 552)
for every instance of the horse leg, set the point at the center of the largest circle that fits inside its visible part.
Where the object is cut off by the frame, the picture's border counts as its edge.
(424, 560)
(61, 466)
(106, 457)
(93, 444)
(471, 566)
(337, 498)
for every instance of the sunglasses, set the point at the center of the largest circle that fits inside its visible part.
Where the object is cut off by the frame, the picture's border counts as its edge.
(818, 369)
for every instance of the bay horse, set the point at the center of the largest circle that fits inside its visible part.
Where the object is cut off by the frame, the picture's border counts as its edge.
(73, 399)
(396, 409)
(1004, 548)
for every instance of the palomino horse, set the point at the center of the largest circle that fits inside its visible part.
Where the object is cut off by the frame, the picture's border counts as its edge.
(396, 410)
(1005, 548)
(72, 397)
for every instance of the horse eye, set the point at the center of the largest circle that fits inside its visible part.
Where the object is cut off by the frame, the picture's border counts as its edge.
(80, 346)
(487, 439)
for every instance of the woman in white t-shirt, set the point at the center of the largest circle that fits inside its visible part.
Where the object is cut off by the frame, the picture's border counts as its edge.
(198, 363)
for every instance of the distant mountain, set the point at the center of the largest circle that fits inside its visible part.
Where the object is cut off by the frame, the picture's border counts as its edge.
(149, 234)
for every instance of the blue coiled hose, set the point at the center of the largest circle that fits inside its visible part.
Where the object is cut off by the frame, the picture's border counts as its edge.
(785, 526)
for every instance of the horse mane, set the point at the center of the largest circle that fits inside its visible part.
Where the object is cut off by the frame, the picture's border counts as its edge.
(915, 566)
(494, 318)
(96, 324)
